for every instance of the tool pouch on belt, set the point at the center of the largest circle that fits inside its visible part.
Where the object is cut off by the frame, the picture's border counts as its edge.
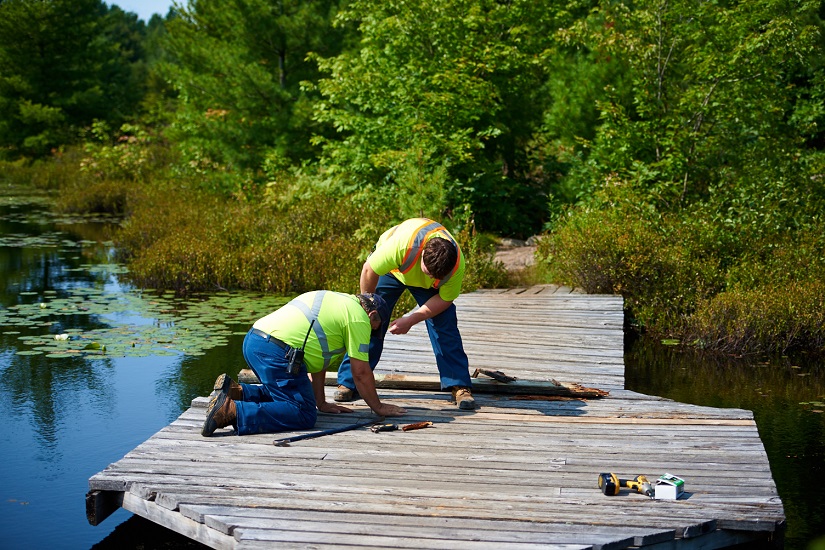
(295, 360)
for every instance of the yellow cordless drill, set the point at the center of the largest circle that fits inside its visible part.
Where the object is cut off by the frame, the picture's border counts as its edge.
(610, 484)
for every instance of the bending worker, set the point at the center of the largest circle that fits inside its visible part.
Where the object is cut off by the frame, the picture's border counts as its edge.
(332, 325)
(421, 256)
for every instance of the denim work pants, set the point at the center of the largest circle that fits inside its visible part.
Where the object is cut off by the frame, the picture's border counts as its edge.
(282, 401)
(452, 362)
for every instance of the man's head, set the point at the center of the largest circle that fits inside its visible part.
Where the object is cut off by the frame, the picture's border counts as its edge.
(439, 257)
(372, 302)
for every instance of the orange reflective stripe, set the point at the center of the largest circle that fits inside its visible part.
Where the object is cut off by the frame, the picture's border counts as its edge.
(415, 246)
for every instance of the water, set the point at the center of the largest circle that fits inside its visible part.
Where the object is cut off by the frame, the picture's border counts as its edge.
(71, 409)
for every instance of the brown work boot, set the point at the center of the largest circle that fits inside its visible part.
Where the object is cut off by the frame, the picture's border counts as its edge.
(344, 395)
(225, 383)
(221, 413)
(463, 397)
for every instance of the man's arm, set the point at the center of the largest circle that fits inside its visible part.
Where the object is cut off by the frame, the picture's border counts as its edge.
(365, 383)
(318, 380)
(369, 278)
(430, 309)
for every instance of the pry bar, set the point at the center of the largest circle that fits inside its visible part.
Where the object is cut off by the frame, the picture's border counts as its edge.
(494, 374)
(284, 442)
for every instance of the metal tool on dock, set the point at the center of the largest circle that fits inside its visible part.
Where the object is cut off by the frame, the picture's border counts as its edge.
(375, 428)
(416, 426)
(495, 375)
(284, 442)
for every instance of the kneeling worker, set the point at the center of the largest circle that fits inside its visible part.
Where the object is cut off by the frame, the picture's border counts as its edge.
(332, 325)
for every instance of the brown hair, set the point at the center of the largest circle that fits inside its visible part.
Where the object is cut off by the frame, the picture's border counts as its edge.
(440, 256)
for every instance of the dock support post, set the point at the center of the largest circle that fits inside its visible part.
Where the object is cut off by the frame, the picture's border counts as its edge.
(102, 504)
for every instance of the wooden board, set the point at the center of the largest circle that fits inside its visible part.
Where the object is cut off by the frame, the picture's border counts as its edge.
(526, 388)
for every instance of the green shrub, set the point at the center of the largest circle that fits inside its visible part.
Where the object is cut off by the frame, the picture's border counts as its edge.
(651, 265)
(52, 173)
(768, 319)
(783, 258)
(98, 197)
(192, 241)
(479, 252)
(101, 177)
(723, 284)
(125, 155)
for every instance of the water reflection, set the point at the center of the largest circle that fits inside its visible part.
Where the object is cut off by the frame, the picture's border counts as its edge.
(786, 396)
(90, 368)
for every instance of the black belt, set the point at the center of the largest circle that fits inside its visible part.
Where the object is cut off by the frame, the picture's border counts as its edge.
(271, 339)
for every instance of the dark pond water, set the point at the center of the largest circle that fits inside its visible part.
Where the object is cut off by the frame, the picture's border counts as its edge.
(90, 368)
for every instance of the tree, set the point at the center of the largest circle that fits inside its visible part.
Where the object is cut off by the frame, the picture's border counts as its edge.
(237, 67)
(710, 112)
(62, 65)
(450, 84)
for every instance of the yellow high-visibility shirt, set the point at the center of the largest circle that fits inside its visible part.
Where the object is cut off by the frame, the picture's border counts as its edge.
(342, 326)
(398, 251)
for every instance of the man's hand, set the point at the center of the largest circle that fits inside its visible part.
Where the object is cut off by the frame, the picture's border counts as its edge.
(385, 409)
(402, 325)
(332, 408)
(317, 379)
(434, 306)
(365, 384)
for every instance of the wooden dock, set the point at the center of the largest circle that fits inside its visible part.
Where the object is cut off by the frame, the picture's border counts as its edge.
(518, 472)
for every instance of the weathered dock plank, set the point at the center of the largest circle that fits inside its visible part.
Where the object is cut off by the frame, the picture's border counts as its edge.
(519, 472)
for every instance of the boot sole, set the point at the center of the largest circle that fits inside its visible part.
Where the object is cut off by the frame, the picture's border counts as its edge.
(209, 425)
(223, 383)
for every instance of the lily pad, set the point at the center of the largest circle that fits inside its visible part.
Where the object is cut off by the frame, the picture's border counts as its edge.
(130, 322)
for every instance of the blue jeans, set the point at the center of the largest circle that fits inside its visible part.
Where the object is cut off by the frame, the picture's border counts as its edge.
(282, 401)
(452, 362)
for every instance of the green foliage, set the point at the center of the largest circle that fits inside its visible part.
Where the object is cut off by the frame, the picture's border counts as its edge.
(660, 266)
(53, 173)
(421, 192)
(699, 195)
(62, 64)
(768, 319)
(581, 76)
(456, 80)
(192, 241)
(102, 177)
(753, 290)
(127, 156)
(708, 96)
(237, 67)
(483, 271)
